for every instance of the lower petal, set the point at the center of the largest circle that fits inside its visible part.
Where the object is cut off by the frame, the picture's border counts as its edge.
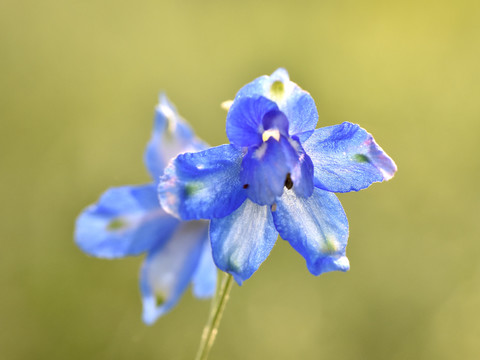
(205, 278)
(243, 240)
(316, 227)
(168, 270)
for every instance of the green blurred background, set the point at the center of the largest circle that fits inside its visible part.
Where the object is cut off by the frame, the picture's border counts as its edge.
(79, 81)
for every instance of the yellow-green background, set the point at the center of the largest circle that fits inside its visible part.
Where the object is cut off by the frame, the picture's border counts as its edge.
(79, 81)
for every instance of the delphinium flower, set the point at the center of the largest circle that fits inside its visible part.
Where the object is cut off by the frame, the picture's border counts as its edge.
(278, 175)
(129, 221)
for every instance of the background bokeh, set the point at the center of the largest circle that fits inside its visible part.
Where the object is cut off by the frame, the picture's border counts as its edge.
(79, 81)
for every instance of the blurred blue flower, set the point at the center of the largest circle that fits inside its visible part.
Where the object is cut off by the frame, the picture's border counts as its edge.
(129, 221)
(278, 176)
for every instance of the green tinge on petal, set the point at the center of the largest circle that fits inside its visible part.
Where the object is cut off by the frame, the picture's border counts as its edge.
(193, 187)
(277, 90)
(361, 158)
(117, 224)
(160, 298)
(330, 245)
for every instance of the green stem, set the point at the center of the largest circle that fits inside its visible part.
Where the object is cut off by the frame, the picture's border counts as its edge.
(216, 311)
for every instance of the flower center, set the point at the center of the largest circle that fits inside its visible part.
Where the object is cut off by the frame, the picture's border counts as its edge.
(275, 124)
(267, 134)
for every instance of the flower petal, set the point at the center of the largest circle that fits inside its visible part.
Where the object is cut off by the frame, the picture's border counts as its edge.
(266, 170)
(244, 120)
(243, 240)
(204, 184)
(295, 103)
(171, 136)
(205, 277)
(168, 269)
(125, 221)
(346, 158)
(302, 171)
(316, 227)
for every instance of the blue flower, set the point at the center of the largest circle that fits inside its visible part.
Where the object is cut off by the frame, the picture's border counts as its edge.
(129, 221)
(278, 176)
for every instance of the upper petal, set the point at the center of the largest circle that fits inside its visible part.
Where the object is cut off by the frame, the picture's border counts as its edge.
(346, 158)
(204, 184)
(171, 136)
(295, 103)
(316, 227)
(243, 240)
(244, 120)
(169, 268)
(125, 221)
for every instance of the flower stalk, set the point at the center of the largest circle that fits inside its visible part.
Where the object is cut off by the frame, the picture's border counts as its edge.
(216, 312)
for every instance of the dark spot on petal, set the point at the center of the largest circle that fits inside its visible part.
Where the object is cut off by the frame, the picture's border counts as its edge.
(361, 158)
(288, 182)
(274, 207)
(246, 186)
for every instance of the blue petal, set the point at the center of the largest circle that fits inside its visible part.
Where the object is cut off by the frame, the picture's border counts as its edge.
(346, 158)
(302, 171)
(243, 240)
(168, 269)
(265, 170)
(295, 103)
(171, 136)
(275, 120)
(126, 221)
(244, 120)
(204, 184)
(316, 227)
(205, 277)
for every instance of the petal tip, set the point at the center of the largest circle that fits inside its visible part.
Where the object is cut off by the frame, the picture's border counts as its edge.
(329, 264)
(389, 172)
(238, 279)
(280, 74)
(343, 263)
(151, 312)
